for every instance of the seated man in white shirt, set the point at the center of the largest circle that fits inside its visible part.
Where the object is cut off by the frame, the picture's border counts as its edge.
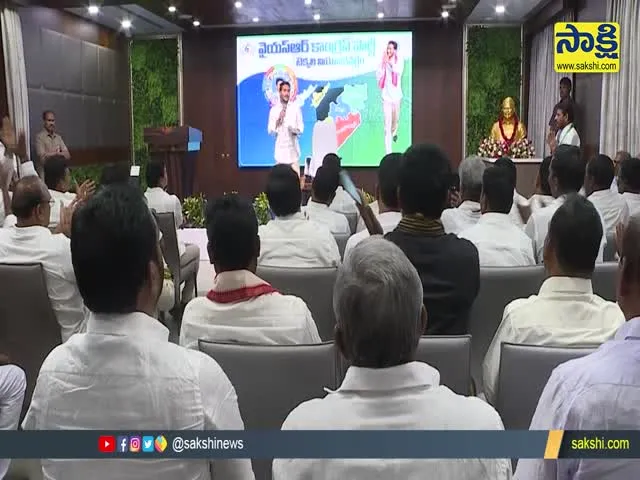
(31, 241)
(600, 391)
(565, 312)
(123, 374)
(518, 200)
(380, 317)
(620, 157)
(467, 213)
(500, 242)
(597, 185)
(57, 177)
(566, 176)
(323, 191)
(290, 239)
(629, 184)
(388, 205)
(342, 202)
(162, 202)
(241, 307)
(13, 384)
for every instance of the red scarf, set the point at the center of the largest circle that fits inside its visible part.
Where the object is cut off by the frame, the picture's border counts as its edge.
(394, 75)
(237, 286)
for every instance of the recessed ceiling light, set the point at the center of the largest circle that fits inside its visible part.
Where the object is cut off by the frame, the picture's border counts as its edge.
(126, 23)
(500, 9)
(172, 9)
(445, 14)
(196, 23)
(316, 16)
(380, 15)
(307, 2)
(255, 19)
(93, 9)
(238, 4)
(379, 1)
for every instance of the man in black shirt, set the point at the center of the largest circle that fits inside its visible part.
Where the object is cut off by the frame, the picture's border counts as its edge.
(448, 266)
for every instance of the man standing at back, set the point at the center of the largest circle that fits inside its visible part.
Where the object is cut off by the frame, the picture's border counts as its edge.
(123, 374)
(48, 141)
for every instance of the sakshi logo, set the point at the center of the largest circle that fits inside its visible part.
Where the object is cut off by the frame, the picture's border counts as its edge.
(586, 47)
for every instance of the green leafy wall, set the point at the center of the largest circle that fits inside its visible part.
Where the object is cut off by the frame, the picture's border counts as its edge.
(494, 56)
(154, 84)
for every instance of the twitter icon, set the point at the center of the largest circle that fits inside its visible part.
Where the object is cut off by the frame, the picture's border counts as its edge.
(147, 444)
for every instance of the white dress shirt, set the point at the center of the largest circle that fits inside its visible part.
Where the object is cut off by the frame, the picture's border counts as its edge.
(57, 198)
(294, 241)
(538, 201)
(287, 149)
(375, 209)
(13, 385)
(500, 242)
(343, 203)
(565, 312)
(633, 203)
(123, 374)
(38, 245)
(612, 208)
(514, 213)
(538, 226)
(162, 202)
(321, 213)
(388, 221)
(455, 220)
(391, 92)
(568, 136)
(598, 392)
(405, 397)
(270, 319)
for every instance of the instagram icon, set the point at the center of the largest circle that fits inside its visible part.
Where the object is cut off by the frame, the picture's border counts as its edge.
(134, 444)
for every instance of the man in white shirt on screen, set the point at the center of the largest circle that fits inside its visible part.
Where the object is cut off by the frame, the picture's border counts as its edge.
(567, 133)
(323, 191)
(380, 316)
(500, 242)
(241, 307)
(389, 76)
(467, 214)
(285, 122)
(124, 374)
(565, 312)
(290, 239)
(388, 207)
(597, 185)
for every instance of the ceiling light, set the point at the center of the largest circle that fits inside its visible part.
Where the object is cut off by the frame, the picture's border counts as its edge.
(255, 19)
(379, 1)
(238, 4)
(126, 23)
(380, 15)
(316, 16)
(307, 2)
(196, 23)
(93, 9)
(172, 9)
(500, 9)
(445, 14)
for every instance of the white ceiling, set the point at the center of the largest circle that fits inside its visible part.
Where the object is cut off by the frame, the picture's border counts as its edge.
(515, 11)
(143, 22)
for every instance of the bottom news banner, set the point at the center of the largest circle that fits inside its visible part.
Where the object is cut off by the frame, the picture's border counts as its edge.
(320, 444)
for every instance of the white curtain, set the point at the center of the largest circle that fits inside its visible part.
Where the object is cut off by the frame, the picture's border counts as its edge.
(543, 87)
(620, 110)
(15, 72)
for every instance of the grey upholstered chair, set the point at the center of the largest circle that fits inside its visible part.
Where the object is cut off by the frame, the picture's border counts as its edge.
(610, 248)
(352, 217)
(498, 287)
(313, 285)
(29, 329)
(604, 280)
(524, 372)
(341, 240)
(450, 355)
(271, 380)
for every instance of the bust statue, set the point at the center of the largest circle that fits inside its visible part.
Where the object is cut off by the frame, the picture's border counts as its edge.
(508, 129)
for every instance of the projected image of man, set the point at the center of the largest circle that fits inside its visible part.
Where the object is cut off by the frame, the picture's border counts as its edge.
(285, 122)
(389, 77)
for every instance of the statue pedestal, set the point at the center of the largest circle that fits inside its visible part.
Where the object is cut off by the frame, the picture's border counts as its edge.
(527, 173)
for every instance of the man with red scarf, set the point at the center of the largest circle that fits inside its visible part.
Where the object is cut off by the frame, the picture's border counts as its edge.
(389, 77)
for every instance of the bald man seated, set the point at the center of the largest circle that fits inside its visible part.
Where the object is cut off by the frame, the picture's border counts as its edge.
(29, 241)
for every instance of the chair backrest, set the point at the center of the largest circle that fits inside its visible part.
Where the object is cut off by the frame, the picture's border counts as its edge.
(341, 240)
(352, 217)
(604, 280)
(167, 226)
(498, 287)
(524, 372)
(610, 248)
(450, 355)
(313, 285)
(29, 329)
(271, 380)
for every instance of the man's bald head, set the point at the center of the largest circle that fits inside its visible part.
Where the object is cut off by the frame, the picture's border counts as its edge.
(29, 194)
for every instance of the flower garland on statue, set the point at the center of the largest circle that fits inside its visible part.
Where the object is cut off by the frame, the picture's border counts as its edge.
(509, 140)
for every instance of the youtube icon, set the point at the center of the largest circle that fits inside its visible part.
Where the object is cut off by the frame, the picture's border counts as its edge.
(107, 444)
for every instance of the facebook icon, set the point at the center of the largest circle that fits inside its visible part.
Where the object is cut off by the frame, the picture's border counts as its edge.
(122, 444)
